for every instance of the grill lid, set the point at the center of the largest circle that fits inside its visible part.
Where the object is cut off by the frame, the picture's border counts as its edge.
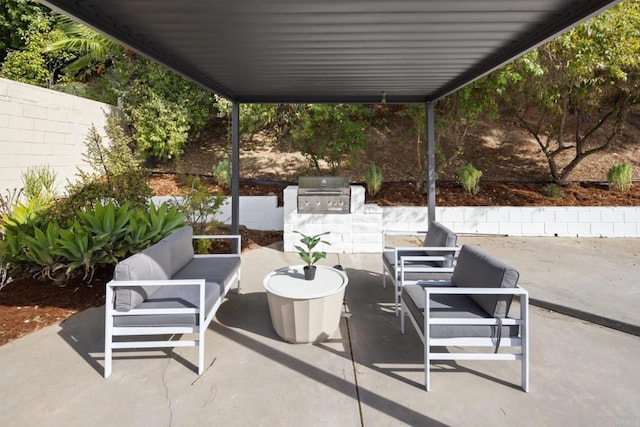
(323, 182)
(323, 185)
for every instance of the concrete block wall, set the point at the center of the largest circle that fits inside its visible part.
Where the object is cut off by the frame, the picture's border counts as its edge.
(41, 127)
(594, 221)
(256, 212)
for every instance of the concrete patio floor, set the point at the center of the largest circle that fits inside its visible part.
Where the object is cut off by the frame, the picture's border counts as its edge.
(368, 374)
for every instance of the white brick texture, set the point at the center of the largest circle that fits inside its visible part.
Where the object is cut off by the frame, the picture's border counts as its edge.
(41, 127)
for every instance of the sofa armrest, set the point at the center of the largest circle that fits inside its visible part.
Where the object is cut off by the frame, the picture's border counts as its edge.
(222, 236)
(114, 284)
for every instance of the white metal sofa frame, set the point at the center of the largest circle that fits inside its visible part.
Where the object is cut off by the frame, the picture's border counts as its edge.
(472, 328)
(409, 264)
(187, 295)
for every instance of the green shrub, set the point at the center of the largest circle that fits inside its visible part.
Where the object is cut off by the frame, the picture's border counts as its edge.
(373, 179)
(222, 173)
(469, 178)
(97, 237)
(165, 109)
(198, 205)
(149, 227)
(620, 177)
(331, 132)
(553, 190)
(116, 175)
(40, 185)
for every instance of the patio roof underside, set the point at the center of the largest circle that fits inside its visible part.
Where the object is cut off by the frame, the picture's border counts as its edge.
(331, 50)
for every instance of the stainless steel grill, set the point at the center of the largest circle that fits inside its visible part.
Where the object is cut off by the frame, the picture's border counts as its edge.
(324, 194)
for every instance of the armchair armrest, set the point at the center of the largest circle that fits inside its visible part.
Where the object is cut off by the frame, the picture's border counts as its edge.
(475, 291)
(114, 284)
(445, 249)
(412, 264)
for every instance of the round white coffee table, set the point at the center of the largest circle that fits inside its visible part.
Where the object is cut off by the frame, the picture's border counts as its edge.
(304, 311)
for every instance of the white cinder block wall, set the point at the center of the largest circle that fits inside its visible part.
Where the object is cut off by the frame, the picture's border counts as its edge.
(361, 231)
(41, 127)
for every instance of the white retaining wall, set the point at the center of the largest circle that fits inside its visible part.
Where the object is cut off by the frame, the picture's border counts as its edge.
(361, 231)
(256, 212)
(41, 127)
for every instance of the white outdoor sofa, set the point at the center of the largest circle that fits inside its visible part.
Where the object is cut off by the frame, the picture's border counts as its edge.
(164, 291)
(471, 310)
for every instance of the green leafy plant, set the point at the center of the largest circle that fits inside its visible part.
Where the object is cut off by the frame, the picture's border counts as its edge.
(331, 132)
(165, 109)
(306, 252)
(116, 175)
(222, 173)
(469, 178)
(620, 177)
(198, 205)
(553, 190)
(9, 201)
(109, 224)
(373, 179)
(149, 227)
(80, 249)
(40, 185)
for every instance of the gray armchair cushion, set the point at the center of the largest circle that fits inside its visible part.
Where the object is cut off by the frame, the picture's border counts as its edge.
(476, 269)
(181, 247)
(438, 236)
(451, 306)
(172, 297)
(150, 264)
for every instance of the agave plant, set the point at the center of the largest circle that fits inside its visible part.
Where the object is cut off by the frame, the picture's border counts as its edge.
(80, 249)
(109, 225)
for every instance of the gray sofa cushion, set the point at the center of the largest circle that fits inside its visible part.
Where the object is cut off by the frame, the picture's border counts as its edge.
(172, 297)
(476, 269)
(215, 269)
(150, 264)
(388, 257)
(181, 248)
(451, 306)
(438, 236)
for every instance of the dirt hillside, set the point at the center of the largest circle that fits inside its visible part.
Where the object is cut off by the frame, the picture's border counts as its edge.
(502, 151)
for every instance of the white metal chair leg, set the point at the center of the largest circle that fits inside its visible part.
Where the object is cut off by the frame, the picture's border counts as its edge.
(396, 298)
(201, 352)
(108, 333)
(524, 335)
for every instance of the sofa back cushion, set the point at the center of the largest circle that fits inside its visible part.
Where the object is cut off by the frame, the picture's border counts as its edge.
(152, 263)
(476, 269)
(180, 248)
(439, 236)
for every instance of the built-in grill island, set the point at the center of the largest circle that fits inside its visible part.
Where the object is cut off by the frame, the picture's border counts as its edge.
(330, 204)
(324, 195)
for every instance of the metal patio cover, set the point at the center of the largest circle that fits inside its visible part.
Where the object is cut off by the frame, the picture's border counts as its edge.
(331, 50)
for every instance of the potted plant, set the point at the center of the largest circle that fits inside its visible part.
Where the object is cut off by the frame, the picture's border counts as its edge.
(308, 255)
